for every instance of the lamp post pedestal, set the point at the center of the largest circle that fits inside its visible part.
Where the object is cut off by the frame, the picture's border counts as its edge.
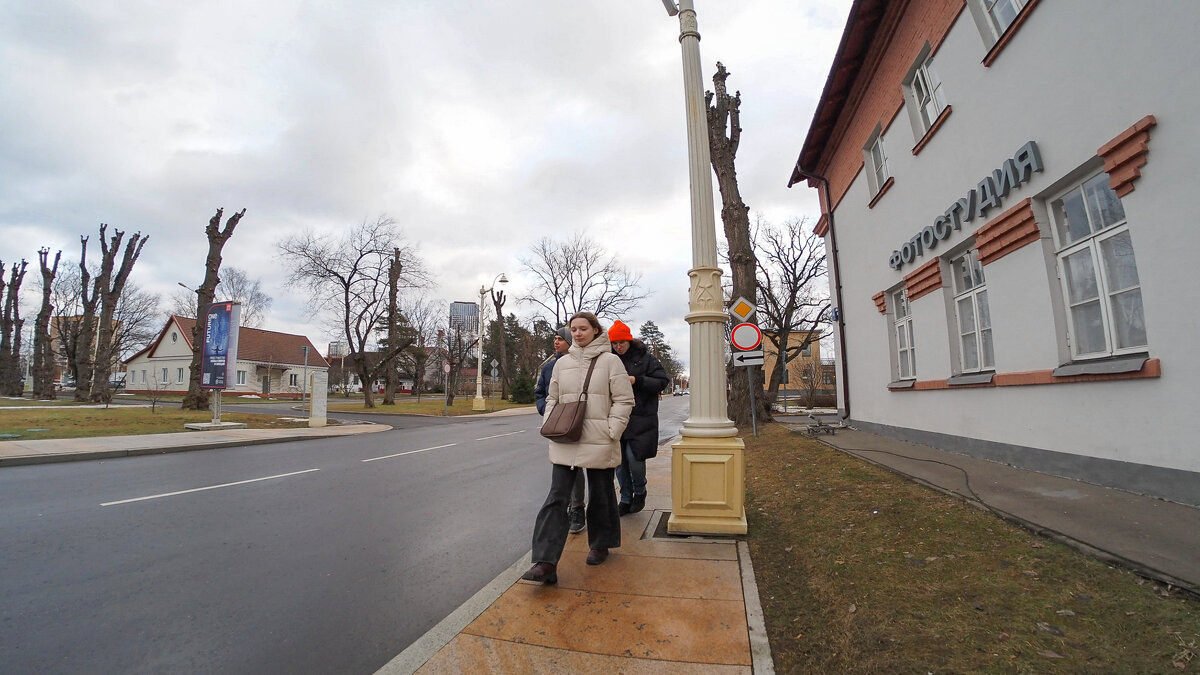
(708, 466)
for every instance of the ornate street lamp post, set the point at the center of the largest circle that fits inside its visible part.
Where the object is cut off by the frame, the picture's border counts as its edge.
(708, 464)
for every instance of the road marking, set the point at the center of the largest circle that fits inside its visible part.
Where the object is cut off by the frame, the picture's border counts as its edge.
(210, 487)
(410, 452)
(499, 435)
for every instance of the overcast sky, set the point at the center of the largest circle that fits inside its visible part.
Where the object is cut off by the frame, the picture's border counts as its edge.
(480, 127)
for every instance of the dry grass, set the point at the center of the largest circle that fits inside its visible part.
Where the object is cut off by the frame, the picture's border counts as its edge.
(118, 421)
(862, 571)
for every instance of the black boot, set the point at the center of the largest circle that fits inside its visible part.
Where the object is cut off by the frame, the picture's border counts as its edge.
(542, 573)
(623, 508)
(638, 503)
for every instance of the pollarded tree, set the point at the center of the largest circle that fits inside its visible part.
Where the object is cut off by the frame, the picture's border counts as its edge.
(11, 325)
(347, 274)
(43, 348)
(110, 283)
(724, 135)
(577, 275)
(235, 285)
(197, 398)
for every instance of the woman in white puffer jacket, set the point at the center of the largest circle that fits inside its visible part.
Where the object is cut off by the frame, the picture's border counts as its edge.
(598, 451)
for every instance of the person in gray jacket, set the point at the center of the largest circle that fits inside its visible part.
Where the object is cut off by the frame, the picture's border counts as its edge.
(598, 450)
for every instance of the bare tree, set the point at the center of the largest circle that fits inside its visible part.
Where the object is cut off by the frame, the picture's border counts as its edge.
(724, 134)
(11, 325)
(498, 300)
(458, 352)
(236, 286)
(390, 374)
(43, 348)
(197, 398)
(424, 316)
(791, 299)
(348, 275)
(110, 284)
(576, 275)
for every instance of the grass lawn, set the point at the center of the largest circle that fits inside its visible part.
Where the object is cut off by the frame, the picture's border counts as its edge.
(13, 402)
(430, 404)
(119, 421)
(862, 571)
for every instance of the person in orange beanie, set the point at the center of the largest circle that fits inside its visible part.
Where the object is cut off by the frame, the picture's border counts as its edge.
(639, 442)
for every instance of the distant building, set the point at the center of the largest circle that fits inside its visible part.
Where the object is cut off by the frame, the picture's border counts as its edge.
(464, 316)
(267, 362)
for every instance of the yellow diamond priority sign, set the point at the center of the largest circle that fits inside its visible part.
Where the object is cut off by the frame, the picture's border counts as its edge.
(741, 309)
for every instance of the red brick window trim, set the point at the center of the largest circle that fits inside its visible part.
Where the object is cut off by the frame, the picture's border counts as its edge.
(994, 52)
(886, 185)
(880, 299)
(1008, 232)
(924, 280)
(1150, 370)
(937, 124)
(1125, 155)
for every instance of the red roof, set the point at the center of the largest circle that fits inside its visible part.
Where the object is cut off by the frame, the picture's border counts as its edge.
(254, 345)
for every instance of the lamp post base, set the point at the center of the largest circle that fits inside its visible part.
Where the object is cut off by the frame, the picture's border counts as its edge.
(708, 477)
(478, 405)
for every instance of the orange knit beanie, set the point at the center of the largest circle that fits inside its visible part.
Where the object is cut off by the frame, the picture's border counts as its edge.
(618, 332)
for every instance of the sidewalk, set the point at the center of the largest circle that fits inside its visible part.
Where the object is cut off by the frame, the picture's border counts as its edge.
(16, 452)
(660, 604)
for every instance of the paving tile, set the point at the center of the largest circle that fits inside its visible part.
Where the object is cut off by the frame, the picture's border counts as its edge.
(618, 624)
(650, 576)
(474, 654)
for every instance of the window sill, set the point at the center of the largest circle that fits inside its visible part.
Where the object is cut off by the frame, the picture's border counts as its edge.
(886, 185)
(994, 52)
(937, 124)
(1109, 366)
(902, 384)
(971, 378)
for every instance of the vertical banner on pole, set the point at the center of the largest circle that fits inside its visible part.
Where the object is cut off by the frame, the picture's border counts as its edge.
(220, 345)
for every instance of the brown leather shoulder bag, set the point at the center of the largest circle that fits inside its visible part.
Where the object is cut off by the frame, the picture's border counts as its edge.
(564, 424)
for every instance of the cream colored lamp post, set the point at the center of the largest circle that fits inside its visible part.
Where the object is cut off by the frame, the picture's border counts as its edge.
(479, 405)
(708, 484)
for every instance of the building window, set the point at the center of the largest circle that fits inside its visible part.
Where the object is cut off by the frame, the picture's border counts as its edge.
(241, 377)
(924, 95)
(294, 380)
(973, 319)
(1002, 13)
(1098, 271)
(906, 359)
(165, 379)
(179, 375)
(144, 377)
(875, 155)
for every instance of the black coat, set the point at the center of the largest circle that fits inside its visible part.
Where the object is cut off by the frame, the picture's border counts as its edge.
(651, 379)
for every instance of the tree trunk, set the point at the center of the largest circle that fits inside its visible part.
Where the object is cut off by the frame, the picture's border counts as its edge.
(86, 337)
(197, 398)
(723, 115)
(43, 352)
(498, 301)
(10, 331)
(110, 294)
(393, 333)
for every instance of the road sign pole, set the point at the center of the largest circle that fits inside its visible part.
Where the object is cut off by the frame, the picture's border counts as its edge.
(753, 415)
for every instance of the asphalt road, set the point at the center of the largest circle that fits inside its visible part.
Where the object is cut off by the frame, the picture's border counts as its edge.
(307, 557)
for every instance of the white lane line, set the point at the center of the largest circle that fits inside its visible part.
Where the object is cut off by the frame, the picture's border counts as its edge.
(410, 452)
(499, 435)
(210, 487)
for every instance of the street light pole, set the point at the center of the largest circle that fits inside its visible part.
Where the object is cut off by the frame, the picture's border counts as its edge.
(304, 383)
(704, 501)
(478, 405)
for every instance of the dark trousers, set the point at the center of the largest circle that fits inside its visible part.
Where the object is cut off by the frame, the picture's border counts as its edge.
(603, 521)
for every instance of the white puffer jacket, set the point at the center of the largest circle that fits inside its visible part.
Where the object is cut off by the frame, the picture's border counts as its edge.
(610, 400)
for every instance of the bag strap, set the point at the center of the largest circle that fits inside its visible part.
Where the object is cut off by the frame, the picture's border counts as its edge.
(587, 380)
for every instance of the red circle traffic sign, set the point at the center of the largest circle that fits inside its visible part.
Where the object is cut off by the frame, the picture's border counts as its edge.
(446, 368)
(746, 336)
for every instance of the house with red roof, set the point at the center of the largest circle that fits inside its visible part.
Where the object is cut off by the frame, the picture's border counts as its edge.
(268, 363)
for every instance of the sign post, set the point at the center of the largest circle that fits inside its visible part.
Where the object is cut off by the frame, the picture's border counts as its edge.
(748, 338)
(445, 388)
(219, 357)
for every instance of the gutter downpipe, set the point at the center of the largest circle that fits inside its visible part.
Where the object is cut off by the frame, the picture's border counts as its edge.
(837, 286)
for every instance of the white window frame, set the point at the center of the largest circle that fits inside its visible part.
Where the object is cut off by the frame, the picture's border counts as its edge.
(970, 290)
(179, 375)
(875, 157)
(902, 336)
(1093, 243)
(293, 379)
(241, 377)
(923, 95)
(992, 27)
(165, 375)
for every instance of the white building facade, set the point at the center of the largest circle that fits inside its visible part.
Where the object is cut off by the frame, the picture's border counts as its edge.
(1005, 186)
